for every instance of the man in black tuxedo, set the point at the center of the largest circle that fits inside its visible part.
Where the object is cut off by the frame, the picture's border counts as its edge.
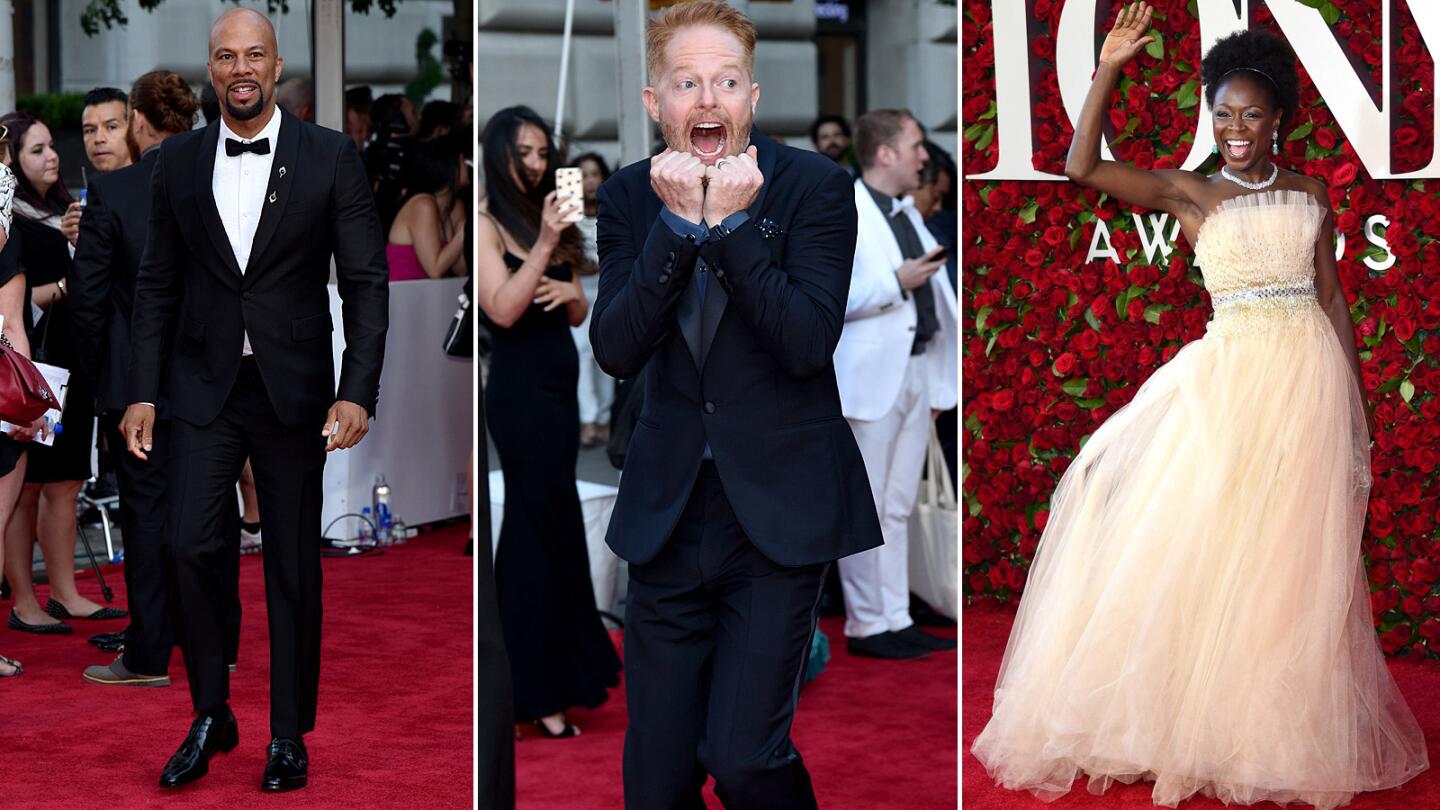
(724, 275)
(113, 231)
(244, 219)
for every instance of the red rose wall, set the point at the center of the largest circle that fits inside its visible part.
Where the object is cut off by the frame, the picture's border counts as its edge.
(1053, 344)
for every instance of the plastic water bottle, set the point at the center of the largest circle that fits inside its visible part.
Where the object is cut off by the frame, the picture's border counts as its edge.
(365, 538)
(380, 500)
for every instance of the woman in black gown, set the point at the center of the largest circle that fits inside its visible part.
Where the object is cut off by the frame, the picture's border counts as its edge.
(55, 473)
(560, 653)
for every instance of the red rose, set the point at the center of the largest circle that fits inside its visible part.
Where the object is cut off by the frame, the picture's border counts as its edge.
(1325, 137)
(1064, 364)
(1345, 175)
(1396, 640)
(1003, 400)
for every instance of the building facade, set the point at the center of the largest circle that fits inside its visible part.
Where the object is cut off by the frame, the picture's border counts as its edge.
(830, 57)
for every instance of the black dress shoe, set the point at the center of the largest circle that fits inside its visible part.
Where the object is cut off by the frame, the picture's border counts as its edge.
(212, 732)
(929, 641)
(287, 766)
(885, 645)
(109, 642)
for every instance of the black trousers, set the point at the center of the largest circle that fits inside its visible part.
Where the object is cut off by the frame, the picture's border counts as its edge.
(716, 640)
(288, 463)
(149, 569)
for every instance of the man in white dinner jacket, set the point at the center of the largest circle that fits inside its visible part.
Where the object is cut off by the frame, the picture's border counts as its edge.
(896, 366)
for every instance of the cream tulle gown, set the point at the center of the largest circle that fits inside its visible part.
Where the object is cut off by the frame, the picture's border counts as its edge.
(1196, 613)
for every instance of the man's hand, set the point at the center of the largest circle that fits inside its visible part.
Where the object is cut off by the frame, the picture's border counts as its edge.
(138, 428)
(914, 272)
(731, 186)
(70, 223)
(679, 181)
(353, 423)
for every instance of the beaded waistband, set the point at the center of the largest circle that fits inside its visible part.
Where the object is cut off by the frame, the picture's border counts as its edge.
(1277, 295)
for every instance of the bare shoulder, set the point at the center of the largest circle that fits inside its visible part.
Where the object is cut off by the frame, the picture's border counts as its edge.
(1313, 187)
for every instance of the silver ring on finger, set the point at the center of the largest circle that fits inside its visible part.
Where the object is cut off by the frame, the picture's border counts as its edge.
(720, 164)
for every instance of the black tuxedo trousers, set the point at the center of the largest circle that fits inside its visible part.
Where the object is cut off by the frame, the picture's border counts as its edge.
(711, 687)
(150, 585)
(288, 463)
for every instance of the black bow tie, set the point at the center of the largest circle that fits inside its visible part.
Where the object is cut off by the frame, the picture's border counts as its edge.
(234, 147)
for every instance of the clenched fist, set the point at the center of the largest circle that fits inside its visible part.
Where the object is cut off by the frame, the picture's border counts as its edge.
(731, 186)
(679, 181)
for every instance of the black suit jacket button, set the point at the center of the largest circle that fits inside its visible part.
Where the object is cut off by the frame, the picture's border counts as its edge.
(664, 278)
(709, 407)
(247, 295)
(689, 237)
(670, 258)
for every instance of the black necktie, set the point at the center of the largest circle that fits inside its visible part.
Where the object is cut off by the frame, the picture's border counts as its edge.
(234, 147)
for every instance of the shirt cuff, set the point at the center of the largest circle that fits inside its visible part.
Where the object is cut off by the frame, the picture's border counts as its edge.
(683, 227)
(730, 223)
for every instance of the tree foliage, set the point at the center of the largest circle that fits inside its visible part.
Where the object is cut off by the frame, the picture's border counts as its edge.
(109, 14)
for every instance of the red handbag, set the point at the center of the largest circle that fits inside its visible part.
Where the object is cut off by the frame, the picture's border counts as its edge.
(24, 394)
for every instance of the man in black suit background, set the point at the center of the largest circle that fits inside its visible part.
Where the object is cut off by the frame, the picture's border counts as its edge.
(725, 265)
(113, 231)
(245, 217)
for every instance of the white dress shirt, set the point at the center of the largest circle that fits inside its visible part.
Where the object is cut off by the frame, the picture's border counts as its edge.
(239, 185)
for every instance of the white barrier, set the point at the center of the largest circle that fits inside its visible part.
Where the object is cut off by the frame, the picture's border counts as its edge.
(423, 433)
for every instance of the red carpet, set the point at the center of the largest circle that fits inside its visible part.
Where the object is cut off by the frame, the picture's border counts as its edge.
(394, 726)
(874, 735)
(986, 629)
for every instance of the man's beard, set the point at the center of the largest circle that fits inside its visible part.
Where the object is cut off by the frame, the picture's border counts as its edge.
(834, 151)
(246, 113)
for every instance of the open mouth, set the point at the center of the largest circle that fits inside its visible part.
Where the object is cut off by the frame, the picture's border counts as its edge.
(1238, 149)
(707, 139)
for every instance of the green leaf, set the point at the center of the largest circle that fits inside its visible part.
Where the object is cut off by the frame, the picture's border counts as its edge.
(1075, 387)
(1301, 131)
(1156, 48)
(1329, 13)
(1090, 404)
(1075, 234)
(1187, 95)
(990, 345)
(1091, 319)
(1388, 386)
(980, 318)
(988, 114)
(1152, 312)
(1407, 390)
(1027, 214)
(986, 137)
(973, 131)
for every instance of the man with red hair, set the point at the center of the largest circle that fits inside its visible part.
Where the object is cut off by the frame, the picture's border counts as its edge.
(724, 270)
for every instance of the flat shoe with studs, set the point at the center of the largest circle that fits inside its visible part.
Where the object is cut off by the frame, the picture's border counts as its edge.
(16, 623)
(54, 608)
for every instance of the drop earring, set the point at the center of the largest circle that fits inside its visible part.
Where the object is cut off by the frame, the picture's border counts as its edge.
(1214, 148)
(1275, 142)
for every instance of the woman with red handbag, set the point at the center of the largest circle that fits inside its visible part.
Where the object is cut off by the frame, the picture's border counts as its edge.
(12, 334)
(54, 474)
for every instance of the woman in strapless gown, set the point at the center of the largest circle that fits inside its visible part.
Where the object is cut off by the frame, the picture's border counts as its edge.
(1196, 613)
(426, 240)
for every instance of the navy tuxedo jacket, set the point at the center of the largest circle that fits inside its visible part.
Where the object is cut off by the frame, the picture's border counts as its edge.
(747, 371)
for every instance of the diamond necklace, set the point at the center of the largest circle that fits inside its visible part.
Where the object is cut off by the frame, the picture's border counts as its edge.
(1274, 173)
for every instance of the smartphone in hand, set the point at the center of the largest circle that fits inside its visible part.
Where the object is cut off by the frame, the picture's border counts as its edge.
(570, 189)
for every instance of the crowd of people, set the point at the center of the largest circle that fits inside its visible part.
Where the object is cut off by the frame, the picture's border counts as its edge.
(545, 262)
